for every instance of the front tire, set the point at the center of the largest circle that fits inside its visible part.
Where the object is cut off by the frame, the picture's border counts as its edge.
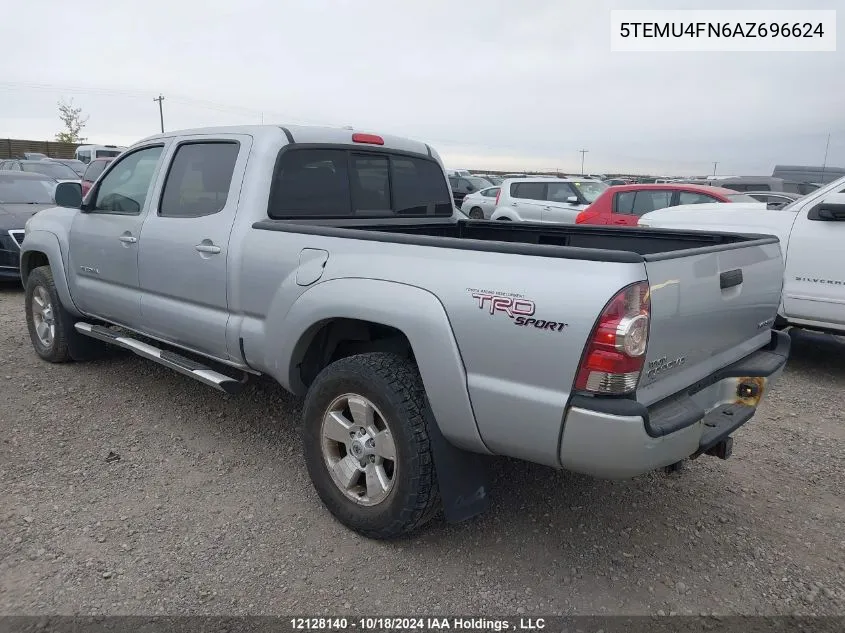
(51, 327)
(367, 447)
(46, 320)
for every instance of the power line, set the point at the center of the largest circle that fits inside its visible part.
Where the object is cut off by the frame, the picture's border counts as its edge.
(160, 98)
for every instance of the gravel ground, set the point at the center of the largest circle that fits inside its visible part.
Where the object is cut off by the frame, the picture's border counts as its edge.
(209, 509)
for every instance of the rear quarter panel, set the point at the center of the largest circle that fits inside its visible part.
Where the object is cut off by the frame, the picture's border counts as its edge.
(517, 377)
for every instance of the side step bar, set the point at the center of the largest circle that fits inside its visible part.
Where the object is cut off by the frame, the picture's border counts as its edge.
(169, 359)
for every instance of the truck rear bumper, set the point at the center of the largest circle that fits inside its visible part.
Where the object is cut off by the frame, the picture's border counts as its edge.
(621, 438)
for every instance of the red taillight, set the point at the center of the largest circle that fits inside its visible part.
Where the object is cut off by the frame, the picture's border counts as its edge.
(581, 217)
(615, 353)
(370, 139)
(498, 195)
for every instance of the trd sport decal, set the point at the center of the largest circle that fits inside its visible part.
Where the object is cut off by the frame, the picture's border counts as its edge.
(516, 307)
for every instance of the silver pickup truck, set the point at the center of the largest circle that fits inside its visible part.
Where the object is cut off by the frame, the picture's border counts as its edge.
(334, 262)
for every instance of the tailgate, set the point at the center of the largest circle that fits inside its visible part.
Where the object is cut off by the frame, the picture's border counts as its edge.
(709, 307)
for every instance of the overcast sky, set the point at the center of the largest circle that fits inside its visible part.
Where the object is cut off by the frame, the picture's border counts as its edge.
(491, 84)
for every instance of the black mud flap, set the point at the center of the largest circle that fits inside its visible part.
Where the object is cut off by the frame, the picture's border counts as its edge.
(463, 478)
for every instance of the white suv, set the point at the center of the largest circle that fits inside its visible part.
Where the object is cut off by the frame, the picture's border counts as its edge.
(545, 199)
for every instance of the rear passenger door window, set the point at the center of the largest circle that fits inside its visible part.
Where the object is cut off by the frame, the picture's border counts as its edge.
(198, 180)
(528, 190)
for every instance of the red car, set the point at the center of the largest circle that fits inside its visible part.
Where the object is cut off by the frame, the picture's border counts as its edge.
(624, 204)
(95, 168)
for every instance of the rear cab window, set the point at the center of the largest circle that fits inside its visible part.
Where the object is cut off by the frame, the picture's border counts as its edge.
(340, 182)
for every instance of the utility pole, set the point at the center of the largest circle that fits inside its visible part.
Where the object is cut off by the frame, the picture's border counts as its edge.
(160, 98)
(714, 167)
(824, 164)
(583, 151)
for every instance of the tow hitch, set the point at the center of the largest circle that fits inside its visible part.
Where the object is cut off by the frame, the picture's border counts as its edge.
(722, 449)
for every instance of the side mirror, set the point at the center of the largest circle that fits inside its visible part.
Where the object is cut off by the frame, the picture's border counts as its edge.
(831, 209)
(69, 194)
(572, 199)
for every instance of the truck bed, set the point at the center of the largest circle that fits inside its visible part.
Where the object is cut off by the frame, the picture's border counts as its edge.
(596, 243)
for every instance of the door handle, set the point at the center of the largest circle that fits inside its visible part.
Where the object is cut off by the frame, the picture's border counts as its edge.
(207, 248)
(128, 239)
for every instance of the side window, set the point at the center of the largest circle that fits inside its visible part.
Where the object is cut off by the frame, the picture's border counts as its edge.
(198, 179)
(559, 192)
(124, 189)
(370, 182)
(646, 201)
(418, 187)
(453, 182)
(311, 182)
(625, 202)
(691, 197)
(528, 190)
(792, 187)
(84, 156)
(491, 193)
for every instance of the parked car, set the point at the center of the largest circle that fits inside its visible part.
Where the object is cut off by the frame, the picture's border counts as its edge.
(33, 156)
(753, 183)
(87, 153)
(95, 168)
(480, 205)
(463, 185)
(21, 196)
(56, 171)
(76, 165)
(492, 179)
(458, 172)
(625, 204)
(340, 269)
(545, 199)
(615, 182)
(811, 231)
(774, 201)
(808, 176)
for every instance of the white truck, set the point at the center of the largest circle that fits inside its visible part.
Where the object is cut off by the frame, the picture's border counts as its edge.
(811, 231)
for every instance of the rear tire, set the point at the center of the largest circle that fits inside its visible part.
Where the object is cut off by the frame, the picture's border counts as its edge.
(50, 325)
(476, 213)
(504, 218)
(367, 447)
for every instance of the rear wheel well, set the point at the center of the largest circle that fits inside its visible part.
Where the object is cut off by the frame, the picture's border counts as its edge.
(31, 261)
(340, 338)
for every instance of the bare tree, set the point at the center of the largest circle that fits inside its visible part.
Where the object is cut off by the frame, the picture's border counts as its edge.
(73, 121)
